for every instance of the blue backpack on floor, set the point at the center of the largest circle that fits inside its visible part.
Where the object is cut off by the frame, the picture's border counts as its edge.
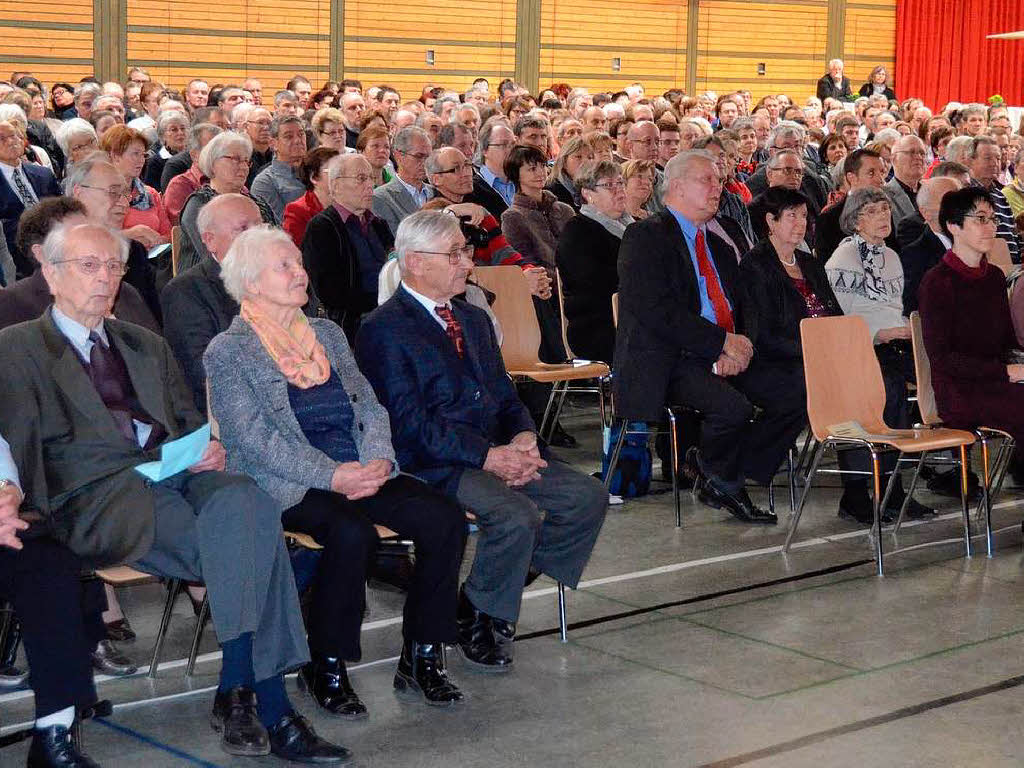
(632, 475)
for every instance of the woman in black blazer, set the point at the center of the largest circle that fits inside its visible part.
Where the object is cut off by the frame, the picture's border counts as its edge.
(587, 260)
(877, 85)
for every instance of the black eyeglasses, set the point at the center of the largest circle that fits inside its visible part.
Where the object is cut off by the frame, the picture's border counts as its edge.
(455, 255)
(458, 168)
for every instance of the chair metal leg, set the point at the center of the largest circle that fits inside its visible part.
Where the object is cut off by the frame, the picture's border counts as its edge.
(795, 521)
(673, 447)
(204, 613)
(876, 476)
(964, 489)
(910, 493)
(791, 464)
(558, 408)
(986, 499)
(603, 384)
(173, 586)
(892, 481)
(563, 627)
(547, 411)
(614, 460)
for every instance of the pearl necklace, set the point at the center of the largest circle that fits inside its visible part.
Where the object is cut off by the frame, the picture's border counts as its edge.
(789, 263)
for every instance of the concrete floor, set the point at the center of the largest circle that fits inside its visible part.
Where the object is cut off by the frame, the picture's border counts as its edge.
(749, 657)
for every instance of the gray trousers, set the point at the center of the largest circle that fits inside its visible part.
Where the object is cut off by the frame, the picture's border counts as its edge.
(551, 523)
(222, 530)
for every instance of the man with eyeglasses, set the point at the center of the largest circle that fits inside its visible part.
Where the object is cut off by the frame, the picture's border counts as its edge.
(257, 128)
(643, 141)
(278, 183)
(909, 162)
(984, 158)
(789, 135)
(98, 397)
(490, 184)
(346, 245)
(22, 185)
(408, 191)
(458, 424)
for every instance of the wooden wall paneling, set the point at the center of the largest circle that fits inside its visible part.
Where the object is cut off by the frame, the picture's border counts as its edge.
(870, 40)
(53, 41)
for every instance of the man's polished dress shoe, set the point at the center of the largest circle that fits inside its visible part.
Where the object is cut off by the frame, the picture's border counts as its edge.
(235, 717)
(561, 439)
(738, 504)
(54, 748)
(293, 738)
(325, 680)
(421, 671)
(477, 639)
(120, 631)
(106, 658)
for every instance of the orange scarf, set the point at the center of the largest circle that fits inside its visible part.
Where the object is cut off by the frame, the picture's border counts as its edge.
(295, 350)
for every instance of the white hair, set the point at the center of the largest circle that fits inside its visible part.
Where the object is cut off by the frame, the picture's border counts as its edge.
(246, 258)
(72, 129)
(337, 165)
(55, 245)
(165, 119)
(680, 165)
(219, 146)
(424, 231)
(12, 113)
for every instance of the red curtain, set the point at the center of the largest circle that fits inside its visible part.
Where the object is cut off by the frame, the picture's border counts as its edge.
(942, 54)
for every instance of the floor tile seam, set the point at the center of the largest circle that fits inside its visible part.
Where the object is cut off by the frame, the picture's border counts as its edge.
(156, 744)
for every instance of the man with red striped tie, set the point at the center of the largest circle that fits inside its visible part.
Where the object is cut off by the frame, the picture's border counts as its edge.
(683, 338)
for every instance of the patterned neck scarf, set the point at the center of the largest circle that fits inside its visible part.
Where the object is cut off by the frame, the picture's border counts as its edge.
(872, 258)
(295, 350)
(141, 201)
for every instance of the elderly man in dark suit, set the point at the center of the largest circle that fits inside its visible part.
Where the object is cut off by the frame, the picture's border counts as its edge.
(91, 399)
(834, 84)
(458, 424)
(928, 249)
(682, 339)
(22, 185)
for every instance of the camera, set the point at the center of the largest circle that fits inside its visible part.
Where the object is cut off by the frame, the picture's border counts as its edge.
(476, 236)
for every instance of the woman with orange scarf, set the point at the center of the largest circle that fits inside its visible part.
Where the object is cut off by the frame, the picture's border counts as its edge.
(297, 415)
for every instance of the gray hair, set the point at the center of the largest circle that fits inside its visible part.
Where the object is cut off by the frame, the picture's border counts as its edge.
(593, 171)
(838, 174)
(208, 213)
(855, 203)
(282, 96)
(484, 140)
(835, 61)
(280, 122)
(784, 130)
(12, 113)
(680, 165)
(72, 129)
(244, 261)
(439, 104)
(81, 171)
(773, 161)
(219, 146)
(87, 89)
(55, 245)
(165, 119)
(337, 164)
(743, 124)
(979, 141)
(422, 230)
(195, 135)
(973, 109)
(959, 149)
(433, 163)
(404, 138)
(464, 108)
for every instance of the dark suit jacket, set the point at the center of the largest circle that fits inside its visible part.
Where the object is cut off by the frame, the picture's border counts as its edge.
(827, 88)
(811, 185)
(177, 164)
(779, 306)
(828, 235)
(446, 412)
(76, 468)
(487, 196)
(152, 172)
(587, 260)
(867, 89)
(44, 185)
(332, 263)
(909, 230)
(196, 308)
(659, 312)
(917, 258)
(27, 299)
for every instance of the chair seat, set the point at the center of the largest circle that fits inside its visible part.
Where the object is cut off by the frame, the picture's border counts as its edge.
(915, 440)
(123, 576)
(563, 371)
(306, 541)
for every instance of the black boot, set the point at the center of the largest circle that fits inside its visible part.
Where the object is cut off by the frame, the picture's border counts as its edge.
(235, 717)
(54, 748)
(855, 504)
(293, 738)
(421, 670)
(11, 676)
(326, 681)
(476, 638)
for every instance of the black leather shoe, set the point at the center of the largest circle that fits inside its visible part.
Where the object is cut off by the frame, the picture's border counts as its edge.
(325, 680)
(120, 631)
(857, 506)
(235, 717)
(293, 738)
(691, 468)
(11, 676)
(421, 671)
(477, 639)
(561, 439)
(106, 658)
(737, 504)
(54, 748)
(915, 509)
(948, 484)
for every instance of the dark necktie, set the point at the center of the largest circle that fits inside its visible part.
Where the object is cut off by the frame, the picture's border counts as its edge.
(22, 188)
(108, 383)
(454, 330)
(723, 315)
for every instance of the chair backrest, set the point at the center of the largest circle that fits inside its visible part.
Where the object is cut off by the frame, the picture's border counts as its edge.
(513, 307)
(561, 314)
(214, 426)
(844, 380)
(923, 372)
(175, 249)
(999, 255)
(615, 309)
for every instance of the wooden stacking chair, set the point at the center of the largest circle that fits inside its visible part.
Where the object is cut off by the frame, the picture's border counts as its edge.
(845, 402)
(176, 236)
(993, 471)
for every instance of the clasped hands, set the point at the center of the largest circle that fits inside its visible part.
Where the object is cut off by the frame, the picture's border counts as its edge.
(359, 481)
(736, 353)
(518, 462)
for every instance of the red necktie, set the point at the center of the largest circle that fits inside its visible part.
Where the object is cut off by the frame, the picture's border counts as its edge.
(454, 329)
(723, 315)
